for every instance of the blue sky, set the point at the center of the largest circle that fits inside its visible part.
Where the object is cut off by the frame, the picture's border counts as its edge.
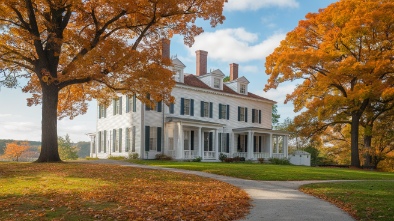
(251, 31)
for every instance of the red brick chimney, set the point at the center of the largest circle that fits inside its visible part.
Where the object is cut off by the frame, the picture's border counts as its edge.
(233, 71)
(165, 48)
(201, 62)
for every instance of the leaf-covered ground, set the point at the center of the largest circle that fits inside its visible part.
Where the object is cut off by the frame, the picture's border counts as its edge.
(69, 191)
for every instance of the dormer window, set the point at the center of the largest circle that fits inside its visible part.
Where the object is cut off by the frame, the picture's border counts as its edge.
(216, 83)
(242, 89)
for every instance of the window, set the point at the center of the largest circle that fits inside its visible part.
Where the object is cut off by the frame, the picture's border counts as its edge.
(216, 83)
(186, 140)
(128, 139)
(153, 138)
(256, 116)
(224, 142)
(224, 111)
(156, 108)
(171, 108)
(208, 141)
(187, 107)
(243, 114)
(242, 143)
(102, 111)
(117, 104)
(206, 109)
(242, 89)
(117, 140)
(130, 103)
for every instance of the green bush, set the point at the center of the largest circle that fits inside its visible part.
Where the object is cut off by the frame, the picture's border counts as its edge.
(278, 161)
(261, 160)
(133, 156)
(162, 157)
(222, 157)
(197, 159)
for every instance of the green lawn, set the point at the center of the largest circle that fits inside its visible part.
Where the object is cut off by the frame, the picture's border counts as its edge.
(364, 200)
(256, 171)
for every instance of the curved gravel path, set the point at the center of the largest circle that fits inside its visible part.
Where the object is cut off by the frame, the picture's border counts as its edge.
(271, 200)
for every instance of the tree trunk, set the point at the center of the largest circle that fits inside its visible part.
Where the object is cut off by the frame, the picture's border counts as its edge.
(367, 146)
(49, 146)
(355, 159)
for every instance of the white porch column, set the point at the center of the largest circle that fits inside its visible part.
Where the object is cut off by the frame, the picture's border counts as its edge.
(216, 144)
(250, 145)
(285, 147)
(179, 149)
(199, 142)
(270, 144)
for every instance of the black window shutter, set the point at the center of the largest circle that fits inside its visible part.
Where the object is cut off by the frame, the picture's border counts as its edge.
(159, 139)
(105, 141)
(210, 141)
(246, 114)
(239, 113)
(105, 111)
(120, 105)
(99, 108)
(246, 143)
(211, 110)
(260, 144)
(147, 107)
(171, 108)
(259, 116)
(192, 140)
(191, 107)
(253, 114)
(220, 111)
(182, 106)
(99, 141)
(159, 106)
(147, 137)
(220, 142)
(254, 144)
(228, 143)
(120, 139)
(228, 112)
(127, 104)
(113, 139)
(134, 103)
(239, 142)
(202, 108)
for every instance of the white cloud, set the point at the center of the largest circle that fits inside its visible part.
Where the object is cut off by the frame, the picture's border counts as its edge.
(235, 45)
(244, 5)
(249, 69)
(20, 130)
(278, 94)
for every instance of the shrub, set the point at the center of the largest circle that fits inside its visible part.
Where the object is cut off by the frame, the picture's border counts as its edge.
(222, 157)
(162, 157)
(278, 161)
(261, 160)
(229, 160)
(133, 156)
(197, 159)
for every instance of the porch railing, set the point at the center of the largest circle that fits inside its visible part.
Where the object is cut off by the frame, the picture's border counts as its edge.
(211, 155)
(190, 154)
(261, 155)
(240, 154)
(278, 155)
(171, 153)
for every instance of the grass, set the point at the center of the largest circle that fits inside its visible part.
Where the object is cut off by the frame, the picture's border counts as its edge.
(364, 200)
(272, 172)
(72, 191)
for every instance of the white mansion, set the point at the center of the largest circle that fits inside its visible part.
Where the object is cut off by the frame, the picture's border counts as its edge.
(209, 117)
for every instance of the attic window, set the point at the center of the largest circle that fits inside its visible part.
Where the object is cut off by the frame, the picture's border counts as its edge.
(216, 83)
(242, 89)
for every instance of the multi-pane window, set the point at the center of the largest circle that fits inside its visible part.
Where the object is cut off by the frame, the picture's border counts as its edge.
(242, 113)
(242, 143)
(186, 140)
(256, 116)
(216, 83)
(130, 103)
(224, 111)
(153, 139)
(224, 142)
(117, 105)
(206, 109)
(242, 89)
(187, 107)
(102, 111)
(117, 140)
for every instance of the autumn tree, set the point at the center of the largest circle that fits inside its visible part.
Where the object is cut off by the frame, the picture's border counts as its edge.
(73, 51)
(14, 150)
(343, 58)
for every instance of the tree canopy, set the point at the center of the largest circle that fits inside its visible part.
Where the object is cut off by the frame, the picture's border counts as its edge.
(73, 51)
(343, 55)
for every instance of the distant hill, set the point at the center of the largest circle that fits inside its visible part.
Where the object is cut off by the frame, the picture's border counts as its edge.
(4, 142)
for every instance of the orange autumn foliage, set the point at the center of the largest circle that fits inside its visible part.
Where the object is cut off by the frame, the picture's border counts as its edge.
(73, 51)
(14, 150)
(343, 58)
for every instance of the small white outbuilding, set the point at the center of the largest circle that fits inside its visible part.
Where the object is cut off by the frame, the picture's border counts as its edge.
(300, 157)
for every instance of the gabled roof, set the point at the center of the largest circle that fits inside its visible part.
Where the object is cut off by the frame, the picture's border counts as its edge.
(241, 79)
(192, 81)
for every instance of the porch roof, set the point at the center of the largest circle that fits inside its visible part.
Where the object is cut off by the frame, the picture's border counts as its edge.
(194, 122)
(260, 130)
